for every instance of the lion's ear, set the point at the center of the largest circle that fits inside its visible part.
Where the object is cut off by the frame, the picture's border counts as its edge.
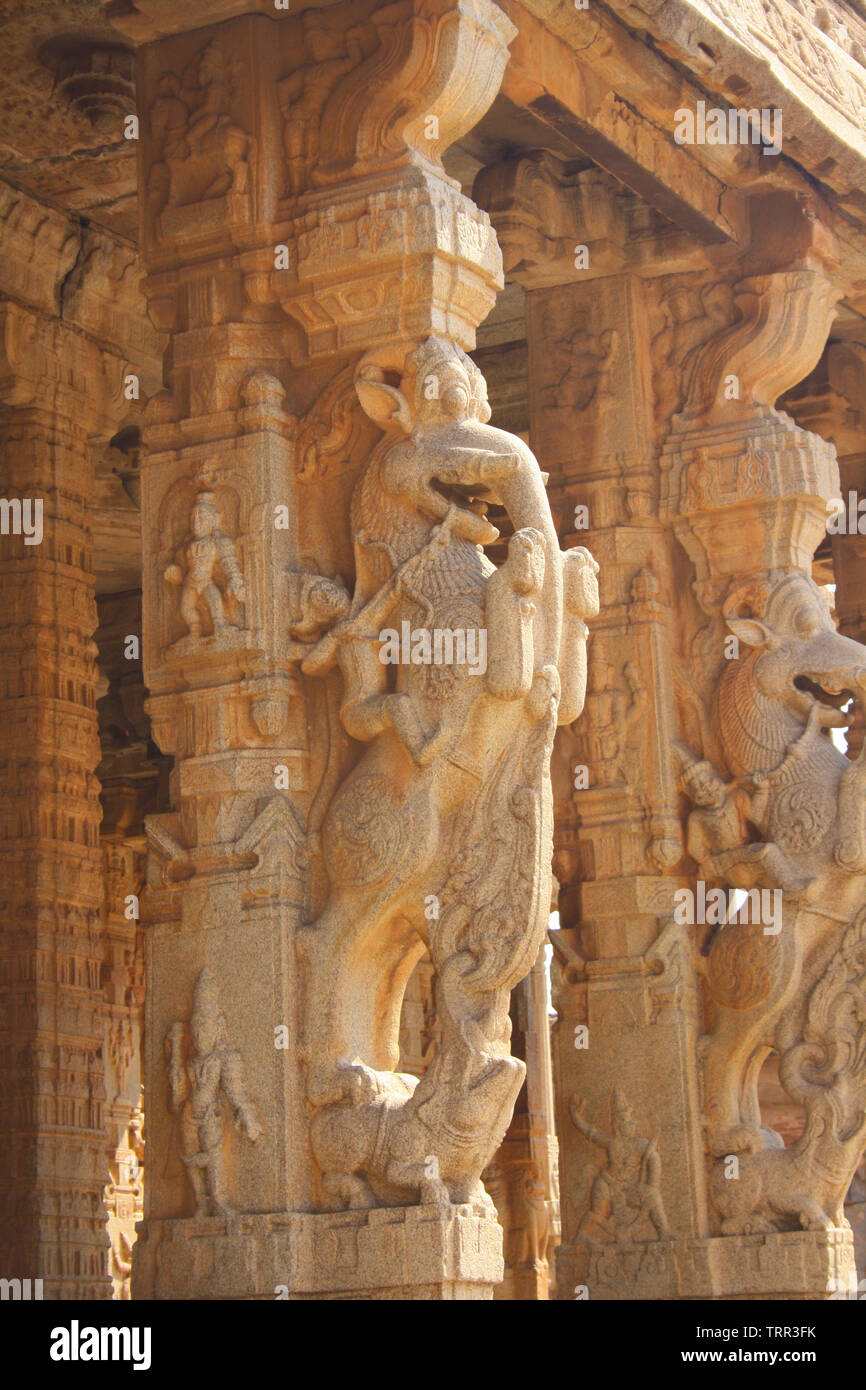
(753, 633)
(384, 404)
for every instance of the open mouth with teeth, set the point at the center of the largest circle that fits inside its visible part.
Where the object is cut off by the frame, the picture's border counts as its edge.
(481, 502)
(471, 499)
(830, 696)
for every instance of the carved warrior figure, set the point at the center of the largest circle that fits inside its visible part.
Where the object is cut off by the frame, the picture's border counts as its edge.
(610, 717)
(798, 993)
(625, 1199)
(717, 836)
(587, 374)
(441, 834)
(202, 153)
(204, 1068)
(206, 557)
(305, 93)
(535, 1235)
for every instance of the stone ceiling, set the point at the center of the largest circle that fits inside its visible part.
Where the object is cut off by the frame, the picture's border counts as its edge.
(53, 138)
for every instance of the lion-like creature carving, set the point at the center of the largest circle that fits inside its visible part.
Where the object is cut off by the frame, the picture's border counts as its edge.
(795, 988)
(441, 835)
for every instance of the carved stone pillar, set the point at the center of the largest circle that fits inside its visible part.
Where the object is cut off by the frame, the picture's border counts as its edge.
(523, 1178)
(618, 362)
(57, 391)
(846, 368)
(746, 491)
(134, 782)
(625, 1015)
(320, 278)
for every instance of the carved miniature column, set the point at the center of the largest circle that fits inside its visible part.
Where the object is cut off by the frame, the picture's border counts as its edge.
(57, 391)
(323, 430)
(523, 1178)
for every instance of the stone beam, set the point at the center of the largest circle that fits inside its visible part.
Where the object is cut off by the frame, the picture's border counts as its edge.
(616, 100)
(807, 60)
(601, 89)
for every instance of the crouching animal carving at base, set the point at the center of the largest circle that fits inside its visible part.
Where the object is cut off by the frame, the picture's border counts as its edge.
(794, 988)
(804, 1186)
(441, 835)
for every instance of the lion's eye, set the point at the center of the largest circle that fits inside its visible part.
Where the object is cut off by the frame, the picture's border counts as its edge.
(805, 621)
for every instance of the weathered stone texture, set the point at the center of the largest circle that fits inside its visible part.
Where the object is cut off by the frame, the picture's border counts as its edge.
(376, 319)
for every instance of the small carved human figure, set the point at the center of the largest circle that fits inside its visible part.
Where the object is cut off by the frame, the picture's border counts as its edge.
(718, 833)
(304, 95)
(369, 708)
(169, 116)
(201, 153)
(206, 561)
(210, 120)
(587, 375)
(204, 1068)
(536, 1216)
(609, 715)
(625, 1191)
(510, 608)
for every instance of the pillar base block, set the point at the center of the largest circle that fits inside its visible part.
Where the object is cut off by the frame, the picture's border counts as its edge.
(411, 1253)
(781, 1265)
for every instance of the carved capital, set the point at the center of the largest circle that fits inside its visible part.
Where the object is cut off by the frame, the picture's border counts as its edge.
(45, 366)
(368, 268)
(542, 213)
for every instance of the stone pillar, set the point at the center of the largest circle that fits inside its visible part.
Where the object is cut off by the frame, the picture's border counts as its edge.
(76, 355)
(134, 782)
(746, 491)
(523, 1178)
(625, 1038)
(619, 362)
(316, 270)
(57, 391)
(830, 402)
(846, 367)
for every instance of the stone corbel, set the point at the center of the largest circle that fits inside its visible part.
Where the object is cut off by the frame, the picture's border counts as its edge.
(732, 464)
(784, 322)
(437, 68)
(407, 254)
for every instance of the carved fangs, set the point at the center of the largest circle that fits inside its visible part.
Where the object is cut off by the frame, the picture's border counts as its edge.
(830, 696)
(468, 499)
